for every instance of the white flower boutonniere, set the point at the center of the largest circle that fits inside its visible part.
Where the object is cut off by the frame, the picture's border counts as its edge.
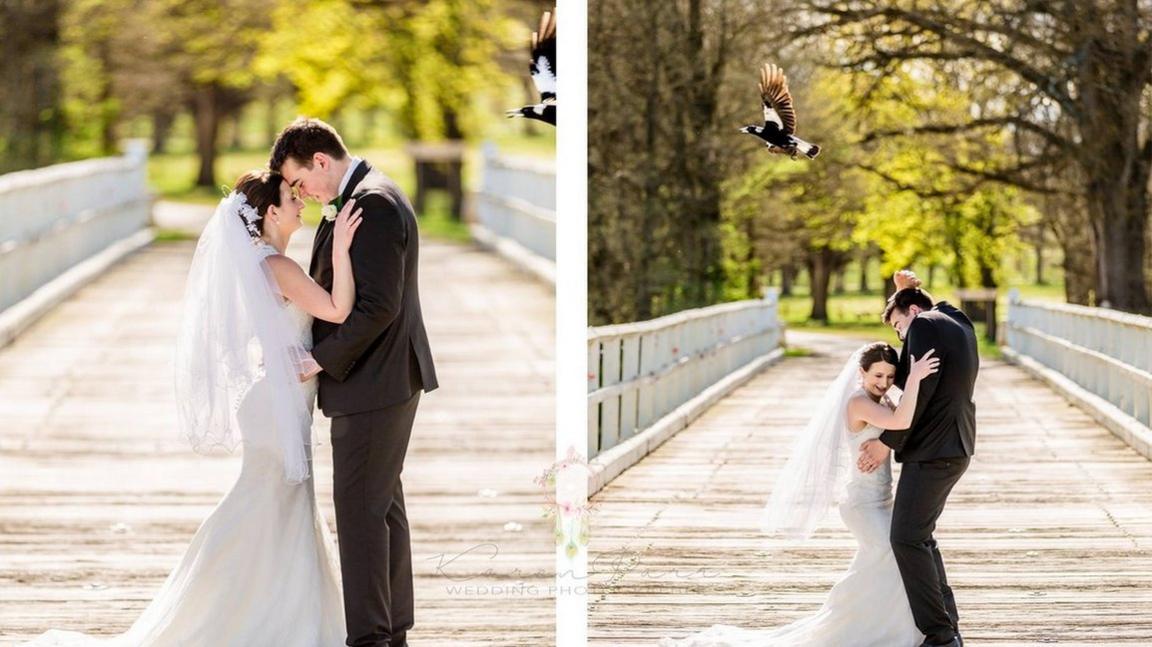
(329, 212)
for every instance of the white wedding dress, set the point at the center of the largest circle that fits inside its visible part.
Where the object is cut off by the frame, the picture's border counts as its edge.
(260, 571)
(868, 606)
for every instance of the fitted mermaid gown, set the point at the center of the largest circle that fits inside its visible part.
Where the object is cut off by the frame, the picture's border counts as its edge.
(868, 606)
(261, 570)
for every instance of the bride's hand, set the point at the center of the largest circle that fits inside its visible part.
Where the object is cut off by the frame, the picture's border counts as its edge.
(923, 367)
(347, 221)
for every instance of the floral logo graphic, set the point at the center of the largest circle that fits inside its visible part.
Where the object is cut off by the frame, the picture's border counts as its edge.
(565, 486)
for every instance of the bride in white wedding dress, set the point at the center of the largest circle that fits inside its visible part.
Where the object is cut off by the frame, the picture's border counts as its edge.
(867, 607)
(261, 570)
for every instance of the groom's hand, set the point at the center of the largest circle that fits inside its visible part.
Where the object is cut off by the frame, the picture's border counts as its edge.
(873, 453)
(905, 279)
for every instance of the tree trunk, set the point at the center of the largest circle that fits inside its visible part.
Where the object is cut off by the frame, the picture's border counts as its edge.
(1116, 167)
(29, 84)
(820, 266)
(370, 127)
(161, 129)
(271, 125)
(237, 135)
(108, 116)
(1040, 254)
(1068, 222)
(1079, 278)
(787, 277)
(987, 276)
(864, 272)
(1119, 211)
(207, 114)
(838, 285)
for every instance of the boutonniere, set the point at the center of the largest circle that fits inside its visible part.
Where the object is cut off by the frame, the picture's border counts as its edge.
(329, 212)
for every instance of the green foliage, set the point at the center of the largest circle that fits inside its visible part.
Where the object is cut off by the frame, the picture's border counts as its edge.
(434, 64)
(897, 195)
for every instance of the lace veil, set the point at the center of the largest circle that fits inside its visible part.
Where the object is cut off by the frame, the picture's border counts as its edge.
(238, 354)
(817, 469)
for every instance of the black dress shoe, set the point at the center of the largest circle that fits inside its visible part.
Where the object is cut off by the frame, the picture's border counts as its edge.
(955, 642)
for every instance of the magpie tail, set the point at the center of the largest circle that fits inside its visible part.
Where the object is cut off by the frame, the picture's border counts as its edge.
(808, 150)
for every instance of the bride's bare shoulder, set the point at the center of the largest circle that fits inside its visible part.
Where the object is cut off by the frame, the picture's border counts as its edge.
(281, 263)
(856, 423)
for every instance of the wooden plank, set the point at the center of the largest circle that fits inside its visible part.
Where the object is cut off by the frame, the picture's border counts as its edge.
(1047, 538)
(99, 496)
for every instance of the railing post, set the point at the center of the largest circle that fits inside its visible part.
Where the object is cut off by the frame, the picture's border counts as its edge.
(593, 407)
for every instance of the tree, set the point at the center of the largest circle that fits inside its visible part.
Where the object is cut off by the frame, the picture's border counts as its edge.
(215, 46)
(431, 64)
(663, 106)
(116, 58)
(31, 123)
(814, 206)
(1070, 81)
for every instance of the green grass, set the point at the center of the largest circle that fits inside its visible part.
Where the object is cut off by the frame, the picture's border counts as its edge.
(173, 236)
(857, 314)
(437, 220)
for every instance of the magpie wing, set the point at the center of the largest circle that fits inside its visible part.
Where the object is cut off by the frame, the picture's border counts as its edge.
(777, 100)
(543, 66)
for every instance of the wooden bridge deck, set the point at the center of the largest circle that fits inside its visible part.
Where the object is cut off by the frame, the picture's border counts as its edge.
(99, 497)
(1047, 538)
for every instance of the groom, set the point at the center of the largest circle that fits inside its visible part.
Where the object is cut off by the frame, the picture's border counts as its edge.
(375, 365)
(934, 450)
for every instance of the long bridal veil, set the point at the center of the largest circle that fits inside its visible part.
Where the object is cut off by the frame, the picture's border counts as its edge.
(235, 334)
(817, 468)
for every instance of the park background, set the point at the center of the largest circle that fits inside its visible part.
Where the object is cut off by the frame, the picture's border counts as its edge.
(122, 123)
(984, 145)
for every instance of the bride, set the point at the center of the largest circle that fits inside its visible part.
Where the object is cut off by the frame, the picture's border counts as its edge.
(261, 570)
(868, 606)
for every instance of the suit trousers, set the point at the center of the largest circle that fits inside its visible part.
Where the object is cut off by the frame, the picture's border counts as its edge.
(372, 527)
(920, 497)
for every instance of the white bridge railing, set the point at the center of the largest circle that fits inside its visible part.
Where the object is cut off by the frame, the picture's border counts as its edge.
(640, 372)
(516, 211)
(55, 217)
(1104, 352)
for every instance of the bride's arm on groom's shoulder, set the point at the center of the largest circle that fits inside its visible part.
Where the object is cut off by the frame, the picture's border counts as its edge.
(378, 261)
(880, 415)
(300, 289)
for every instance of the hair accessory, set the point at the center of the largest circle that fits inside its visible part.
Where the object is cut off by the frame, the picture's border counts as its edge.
(248, 213)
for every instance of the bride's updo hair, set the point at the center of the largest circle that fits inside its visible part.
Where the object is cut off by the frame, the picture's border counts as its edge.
(262, 189)
(878, 352)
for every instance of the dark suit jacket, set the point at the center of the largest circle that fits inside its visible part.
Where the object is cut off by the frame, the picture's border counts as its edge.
(380, 355)
(944, 424)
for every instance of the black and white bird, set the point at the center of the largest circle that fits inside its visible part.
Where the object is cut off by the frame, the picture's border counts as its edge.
(779, 130)
(543, 70)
